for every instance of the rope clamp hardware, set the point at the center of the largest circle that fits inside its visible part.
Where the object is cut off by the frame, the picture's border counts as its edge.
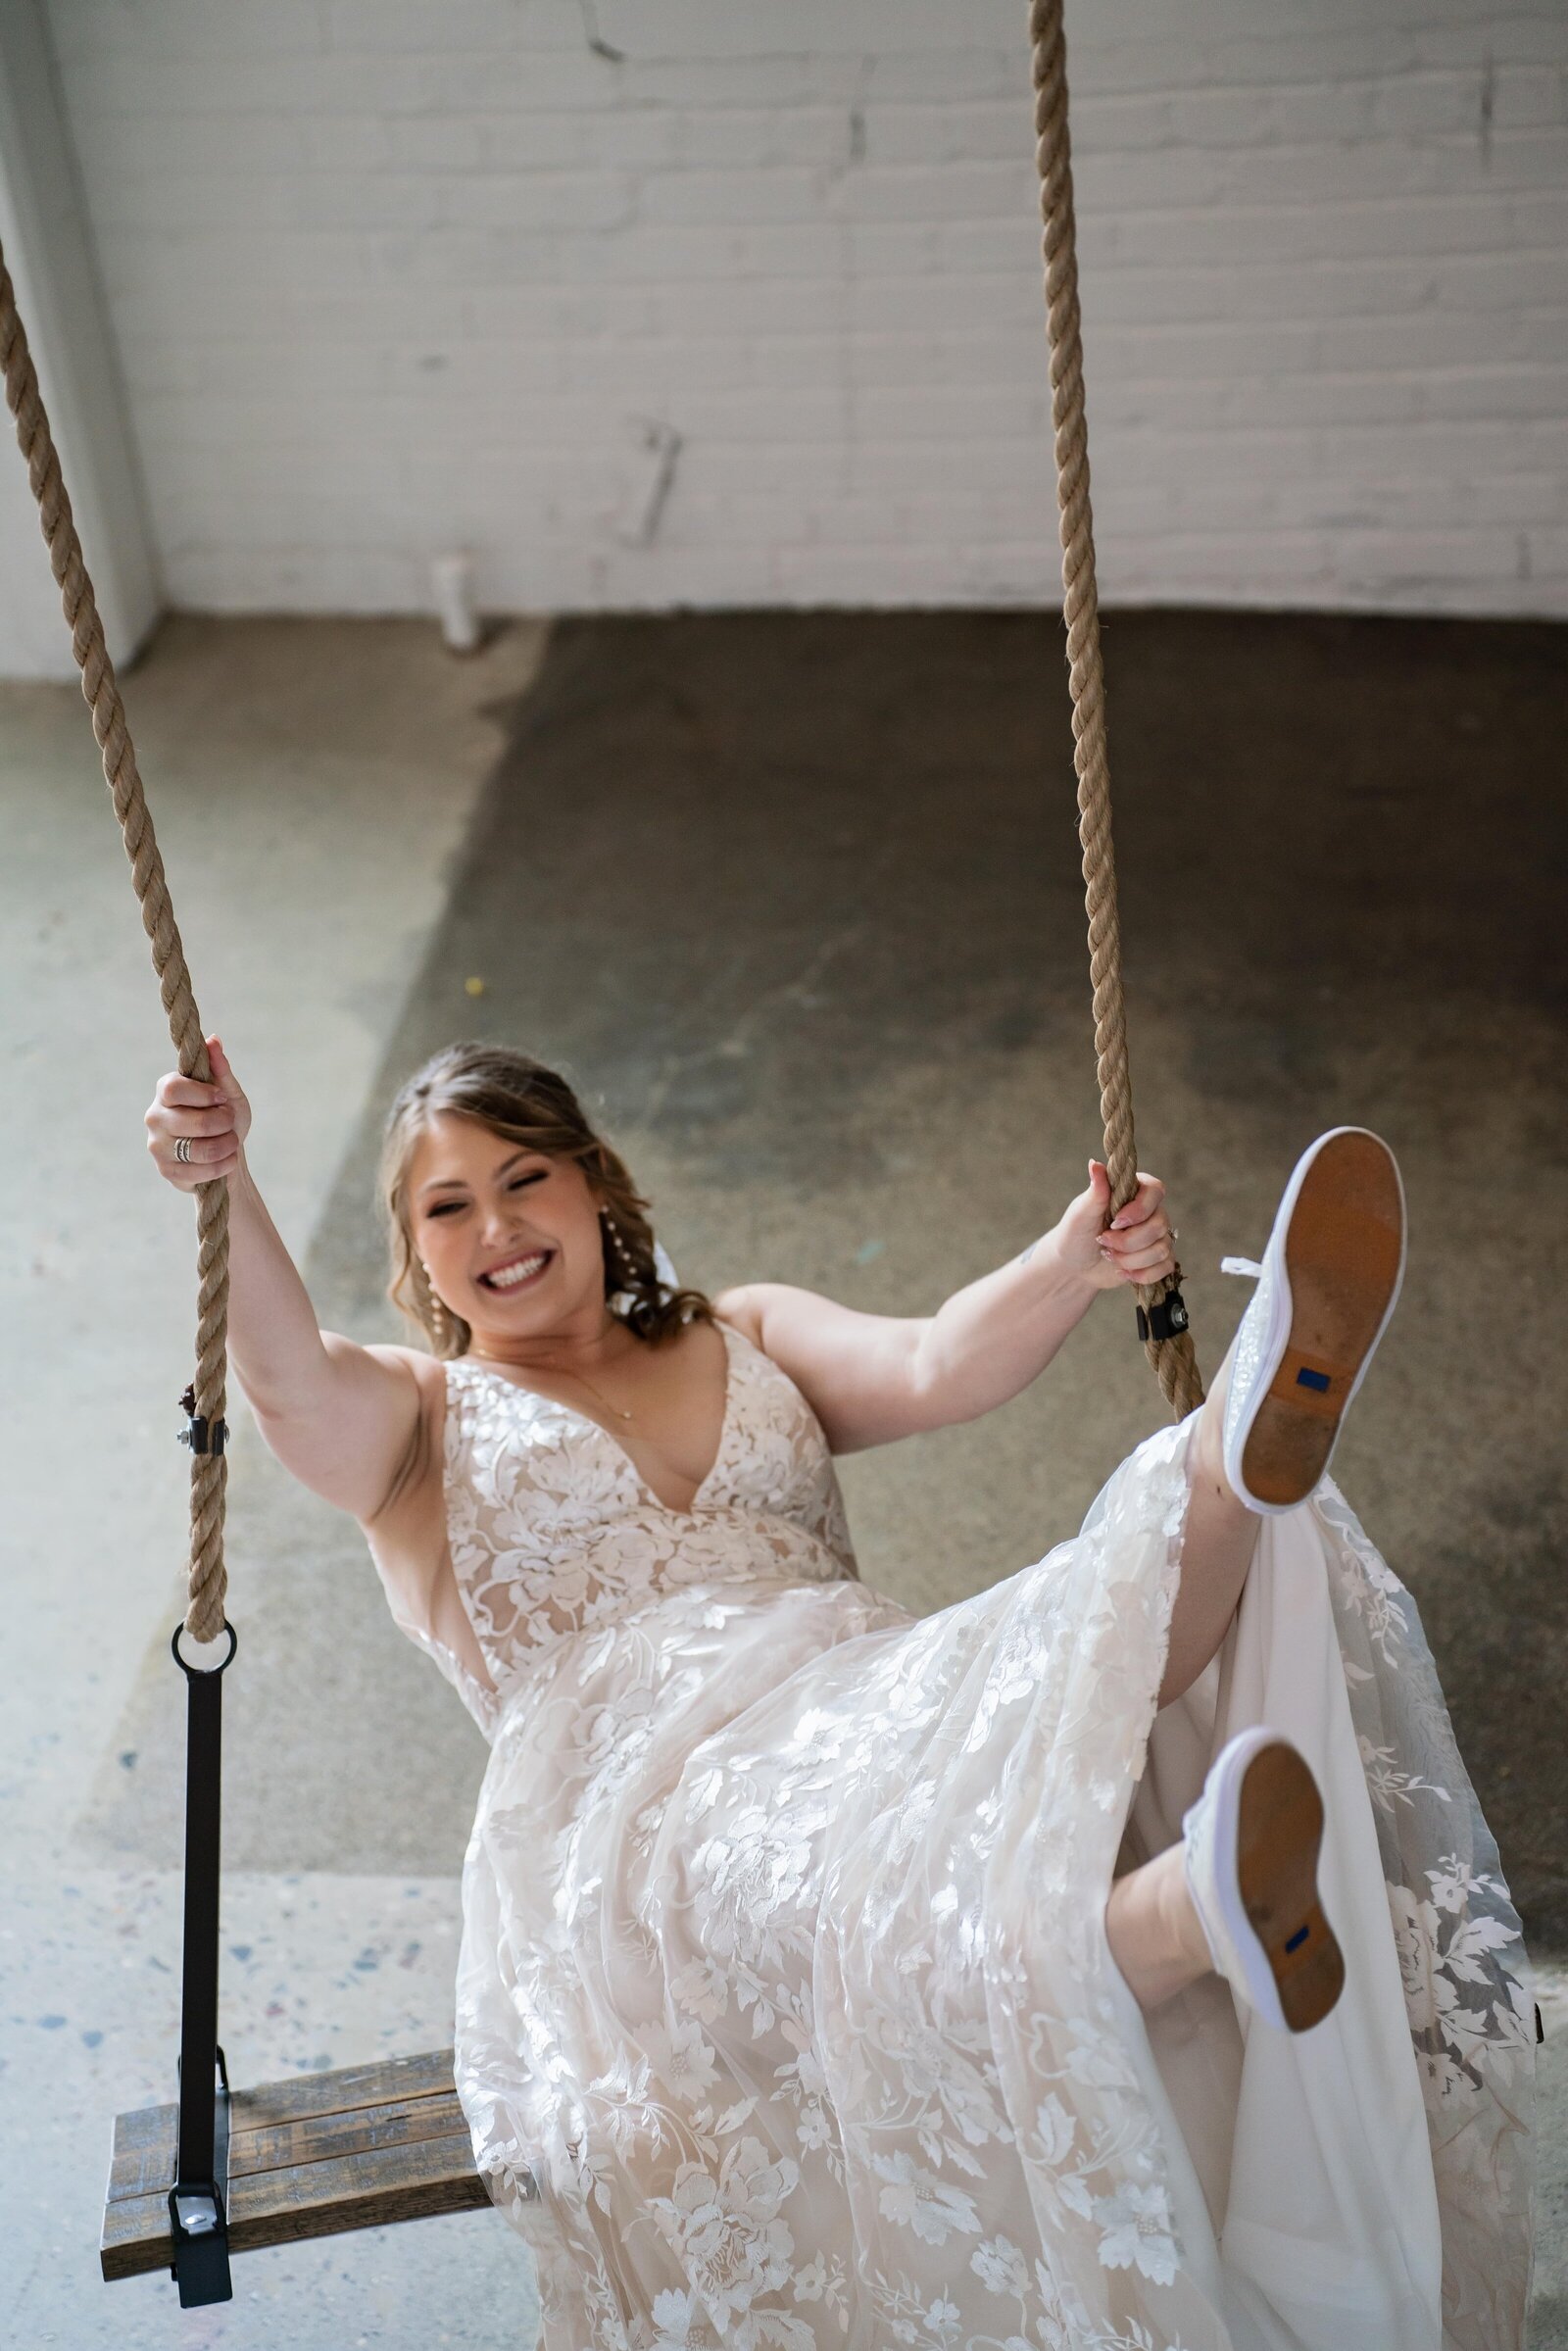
(199, 1436)
(1167, 1318)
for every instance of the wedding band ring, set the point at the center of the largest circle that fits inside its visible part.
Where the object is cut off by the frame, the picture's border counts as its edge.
(182, 1149)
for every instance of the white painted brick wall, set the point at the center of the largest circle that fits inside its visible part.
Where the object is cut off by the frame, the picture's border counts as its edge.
(392, 275)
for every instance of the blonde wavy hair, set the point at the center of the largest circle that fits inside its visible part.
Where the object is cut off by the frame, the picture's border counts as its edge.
(522, 1102)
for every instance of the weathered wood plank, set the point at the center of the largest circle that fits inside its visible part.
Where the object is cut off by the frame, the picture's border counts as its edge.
(140, 2163)
(351, 2087)
(350, 2090)
(315, 2199)
(359, 2148)
(145, 2126)
(149, 2168)
(320, 2137)
(144, 2159)
(347, 2090)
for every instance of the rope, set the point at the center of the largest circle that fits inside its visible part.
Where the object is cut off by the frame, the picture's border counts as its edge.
(1174, 1360)
(204, 1616)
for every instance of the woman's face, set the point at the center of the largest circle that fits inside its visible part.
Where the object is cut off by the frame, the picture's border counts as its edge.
(510, 1238)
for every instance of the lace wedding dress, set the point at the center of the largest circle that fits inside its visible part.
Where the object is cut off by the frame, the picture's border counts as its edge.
(785, 2017)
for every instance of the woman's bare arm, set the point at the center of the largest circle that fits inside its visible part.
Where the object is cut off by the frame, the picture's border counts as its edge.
(873, 1377)
(343, 1419)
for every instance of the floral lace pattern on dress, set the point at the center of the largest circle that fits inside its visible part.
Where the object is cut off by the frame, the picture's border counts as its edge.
(1461, 1948)
(553, 1530)
(785, 2017)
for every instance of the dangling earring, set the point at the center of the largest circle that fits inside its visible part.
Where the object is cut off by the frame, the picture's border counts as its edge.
(617, 1249)
(441, 1330)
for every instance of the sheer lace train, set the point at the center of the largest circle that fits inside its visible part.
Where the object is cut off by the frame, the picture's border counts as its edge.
(784, 1969)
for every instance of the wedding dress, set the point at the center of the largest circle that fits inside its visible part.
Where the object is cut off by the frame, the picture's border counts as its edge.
(785, 2016)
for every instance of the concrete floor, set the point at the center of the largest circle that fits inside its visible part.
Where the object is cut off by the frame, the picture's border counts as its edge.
(797, 900)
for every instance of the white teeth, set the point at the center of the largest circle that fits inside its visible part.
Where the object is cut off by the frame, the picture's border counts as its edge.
(508, 1276)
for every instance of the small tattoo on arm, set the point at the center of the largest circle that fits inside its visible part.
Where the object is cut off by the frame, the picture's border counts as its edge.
(1024, 1256)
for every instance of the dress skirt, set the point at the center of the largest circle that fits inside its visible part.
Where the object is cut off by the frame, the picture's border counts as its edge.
(786, 2018)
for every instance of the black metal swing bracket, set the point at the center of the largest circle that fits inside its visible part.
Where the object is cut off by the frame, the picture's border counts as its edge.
(198, 2209)
(198, 2201)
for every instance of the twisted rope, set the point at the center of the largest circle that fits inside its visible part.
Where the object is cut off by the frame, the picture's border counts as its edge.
(1174, 1360)
(204, 1615)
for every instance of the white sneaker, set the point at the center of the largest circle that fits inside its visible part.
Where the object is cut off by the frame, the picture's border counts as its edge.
(1250, 1847)
(1325, 1292)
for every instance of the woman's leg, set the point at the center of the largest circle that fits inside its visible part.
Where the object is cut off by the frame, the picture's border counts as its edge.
(1217, 1546)
(1153, 1929)
(1150, 1921)
(1335, 1260)
(1338, 1248)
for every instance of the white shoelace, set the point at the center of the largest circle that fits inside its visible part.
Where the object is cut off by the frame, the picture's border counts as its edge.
(1247, 1267)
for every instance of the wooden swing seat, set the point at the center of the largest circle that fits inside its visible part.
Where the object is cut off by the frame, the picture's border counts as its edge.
(311, 2157)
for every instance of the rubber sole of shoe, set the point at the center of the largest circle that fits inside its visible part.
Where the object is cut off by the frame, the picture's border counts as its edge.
(1279, 1836)
(1342, 1250)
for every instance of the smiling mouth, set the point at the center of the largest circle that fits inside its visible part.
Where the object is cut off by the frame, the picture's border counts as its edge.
(516, 1273)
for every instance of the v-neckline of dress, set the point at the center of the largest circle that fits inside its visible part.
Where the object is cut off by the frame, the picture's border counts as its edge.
(587, 1420)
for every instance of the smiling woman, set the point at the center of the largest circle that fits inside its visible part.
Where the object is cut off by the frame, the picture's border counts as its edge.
(831, 1977)
(440, 1164)
(520, 1240)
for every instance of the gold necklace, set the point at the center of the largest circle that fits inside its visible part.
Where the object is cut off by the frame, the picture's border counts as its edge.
(563, 1371)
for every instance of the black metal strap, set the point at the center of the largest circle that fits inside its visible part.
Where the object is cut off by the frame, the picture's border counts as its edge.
(1164, 1319)
(198, 2201)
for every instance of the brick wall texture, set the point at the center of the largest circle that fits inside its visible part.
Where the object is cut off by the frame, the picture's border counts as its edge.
(707, 301)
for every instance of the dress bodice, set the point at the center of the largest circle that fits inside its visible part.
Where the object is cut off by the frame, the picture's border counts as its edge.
(554, 1531)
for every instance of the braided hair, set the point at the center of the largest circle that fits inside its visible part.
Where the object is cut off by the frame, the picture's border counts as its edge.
(525, 1103)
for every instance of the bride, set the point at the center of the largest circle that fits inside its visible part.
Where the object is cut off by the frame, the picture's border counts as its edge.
(1116, 1960)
